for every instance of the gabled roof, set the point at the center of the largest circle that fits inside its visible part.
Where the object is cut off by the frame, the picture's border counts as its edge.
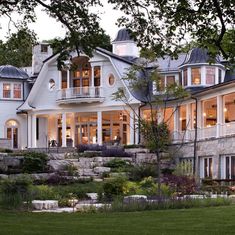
(12, 72)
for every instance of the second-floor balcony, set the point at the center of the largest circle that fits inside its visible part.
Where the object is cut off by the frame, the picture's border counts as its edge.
(84, 94)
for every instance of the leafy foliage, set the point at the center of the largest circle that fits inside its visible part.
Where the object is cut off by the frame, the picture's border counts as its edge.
(115, 152)
(83, 29)
(181, 185)
(163, 26)
(17, 50)
(35, 162)
(15, 191)
(139, 172)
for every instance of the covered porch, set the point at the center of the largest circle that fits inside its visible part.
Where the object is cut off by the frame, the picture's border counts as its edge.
(69, 129)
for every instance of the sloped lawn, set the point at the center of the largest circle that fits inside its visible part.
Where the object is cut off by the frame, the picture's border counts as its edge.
(217, 220)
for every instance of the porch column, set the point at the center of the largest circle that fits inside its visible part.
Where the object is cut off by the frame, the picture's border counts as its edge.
(99, 127)
(92, 86)
(29, 143)
(64, 144)
(73, 128)
(101, 80)
(34, 134)
(132, 127)
(60, 79)
(176, 123)
(188, 121)
(200, 117)
(220, 112)
(68, 78)
(92, 76)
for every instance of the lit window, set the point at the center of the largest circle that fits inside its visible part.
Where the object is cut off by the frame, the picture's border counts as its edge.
(196, 76)
(210, 75)
(51, 84)
(161, 83)
(17, 91)
(170, 80)
(97, 76)
(6, 90)
(111, 80)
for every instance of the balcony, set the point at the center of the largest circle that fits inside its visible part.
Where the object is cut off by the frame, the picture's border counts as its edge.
(80, 95)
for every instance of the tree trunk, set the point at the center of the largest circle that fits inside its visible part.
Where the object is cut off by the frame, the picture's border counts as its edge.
(159, 174)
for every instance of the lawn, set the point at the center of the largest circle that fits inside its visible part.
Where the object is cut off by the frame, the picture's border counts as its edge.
(216, 220)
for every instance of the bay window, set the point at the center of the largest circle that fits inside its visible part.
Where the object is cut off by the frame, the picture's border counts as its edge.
(210, 75)
(196, 76)
(17, 91)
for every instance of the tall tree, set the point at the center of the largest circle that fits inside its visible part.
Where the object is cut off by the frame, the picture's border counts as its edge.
(156, 99)
(83, 29)
(17, 50)
(163, 25)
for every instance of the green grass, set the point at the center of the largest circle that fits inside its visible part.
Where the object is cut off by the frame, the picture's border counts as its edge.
(216, 220)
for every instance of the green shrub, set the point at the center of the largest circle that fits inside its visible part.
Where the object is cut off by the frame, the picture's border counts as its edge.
(131, 146)
(2, 150)
(90, 154)
(35, 162)
(119, 206)
(138, 172)
(118, 165)
(114, 187)
(44, 192)
(16, 191)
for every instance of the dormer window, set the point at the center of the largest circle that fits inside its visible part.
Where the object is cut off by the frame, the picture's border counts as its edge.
(196, 76)
(6, 90)
(12, 91)
(44, 48)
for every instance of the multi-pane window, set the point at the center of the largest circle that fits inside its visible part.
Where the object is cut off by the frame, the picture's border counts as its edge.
(227, 167)
(196, 76)
(170, 80)
(210, 75)
(12, 91)
(6, 90)
(17, 91)
(207, 167)
(164, 81)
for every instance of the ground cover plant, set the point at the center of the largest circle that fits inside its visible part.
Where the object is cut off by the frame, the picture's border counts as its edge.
(216, 220)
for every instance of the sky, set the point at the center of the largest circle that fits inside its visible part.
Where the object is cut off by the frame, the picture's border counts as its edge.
(48, 28)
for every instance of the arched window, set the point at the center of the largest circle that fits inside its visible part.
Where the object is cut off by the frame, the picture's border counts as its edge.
(12, 132)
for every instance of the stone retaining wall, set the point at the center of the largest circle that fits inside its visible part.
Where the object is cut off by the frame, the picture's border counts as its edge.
(5, 143)
(214, 147)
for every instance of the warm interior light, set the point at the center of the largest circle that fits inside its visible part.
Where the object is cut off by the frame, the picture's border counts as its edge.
(225, 109)
(197, 81)
(204, 114)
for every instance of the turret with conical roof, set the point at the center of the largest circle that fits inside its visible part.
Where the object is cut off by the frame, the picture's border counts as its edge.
(124, 45)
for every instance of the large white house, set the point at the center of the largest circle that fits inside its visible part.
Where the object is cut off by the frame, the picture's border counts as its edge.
(70, 107)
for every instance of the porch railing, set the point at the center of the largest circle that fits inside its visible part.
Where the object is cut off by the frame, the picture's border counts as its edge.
(79, 92)
(219, 130)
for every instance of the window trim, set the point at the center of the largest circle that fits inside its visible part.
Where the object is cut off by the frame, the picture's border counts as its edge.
(12, 84)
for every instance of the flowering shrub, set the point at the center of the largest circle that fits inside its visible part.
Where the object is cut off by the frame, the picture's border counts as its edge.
(181, 184)
(90, 147)
(115, 152)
